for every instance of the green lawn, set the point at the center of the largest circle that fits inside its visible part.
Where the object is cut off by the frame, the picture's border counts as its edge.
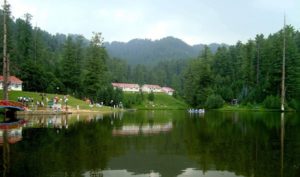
(72, 102)
(161, 101)
(256, 107)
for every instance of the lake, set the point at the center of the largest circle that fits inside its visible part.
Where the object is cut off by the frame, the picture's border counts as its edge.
(154, 143)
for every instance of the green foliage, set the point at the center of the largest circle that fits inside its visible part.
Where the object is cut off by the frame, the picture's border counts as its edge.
(272, 102)
(198, 79)
(214, 101)
(71, 65)
(132, 99)
(295, 104)
(151, 96)
(95, 77)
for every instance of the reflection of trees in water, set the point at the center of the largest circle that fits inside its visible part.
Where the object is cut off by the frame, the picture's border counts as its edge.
(247, 145)
(6, 154)
(84, 145)
(251, 146)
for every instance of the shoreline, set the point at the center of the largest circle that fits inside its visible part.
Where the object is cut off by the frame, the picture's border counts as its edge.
(63, 112)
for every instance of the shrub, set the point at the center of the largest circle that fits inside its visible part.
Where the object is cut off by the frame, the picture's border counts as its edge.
(151, 96)
(272, 102)
(214, 101)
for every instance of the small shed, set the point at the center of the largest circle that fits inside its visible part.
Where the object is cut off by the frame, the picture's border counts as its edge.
(14, 83)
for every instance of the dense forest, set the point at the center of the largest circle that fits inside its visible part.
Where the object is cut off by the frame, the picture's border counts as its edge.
(70, 64)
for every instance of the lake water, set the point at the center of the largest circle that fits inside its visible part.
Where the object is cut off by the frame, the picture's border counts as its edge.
(154, 143)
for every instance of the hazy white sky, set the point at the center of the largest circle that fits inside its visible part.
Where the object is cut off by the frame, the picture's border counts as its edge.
(194, 21)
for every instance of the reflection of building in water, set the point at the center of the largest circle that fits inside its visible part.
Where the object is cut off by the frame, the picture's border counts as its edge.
(13, 135)
(145, 129)
(101, 173)
(12, 131)
(200, 173)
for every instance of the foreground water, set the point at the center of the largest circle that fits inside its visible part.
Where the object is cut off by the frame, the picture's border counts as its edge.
(154, 143)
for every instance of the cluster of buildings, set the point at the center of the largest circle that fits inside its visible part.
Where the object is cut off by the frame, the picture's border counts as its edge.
(14, 83)
(126, 87)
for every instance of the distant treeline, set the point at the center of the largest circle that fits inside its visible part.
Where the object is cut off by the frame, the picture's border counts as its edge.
(71, 64)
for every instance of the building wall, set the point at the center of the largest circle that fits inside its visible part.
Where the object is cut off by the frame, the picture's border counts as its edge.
(16, 87)
(130, 89)
(148, 90)
(169, 93)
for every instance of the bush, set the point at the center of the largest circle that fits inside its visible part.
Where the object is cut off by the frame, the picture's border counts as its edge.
(272, 102)
(151, 96)
(214, 101)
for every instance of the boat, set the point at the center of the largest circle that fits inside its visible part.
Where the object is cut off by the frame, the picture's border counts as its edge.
(192, 111)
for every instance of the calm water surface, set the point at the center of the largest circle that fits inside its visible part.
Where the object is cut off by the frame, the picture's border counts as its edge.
(154, 143)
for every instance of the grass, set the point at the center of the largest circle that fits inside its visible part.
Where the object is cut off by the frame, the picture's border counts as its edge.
(72, 102)
(229, 107)
(250, 107)
(161, 101)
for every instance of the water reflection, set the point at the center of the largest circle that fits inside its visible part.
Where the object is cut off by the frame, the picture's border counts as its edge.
(48, 121)
(158, 143)
(10, 133)
(282, 128)
(119, 173)
(212, 173)
(142, 129)
(6, 154)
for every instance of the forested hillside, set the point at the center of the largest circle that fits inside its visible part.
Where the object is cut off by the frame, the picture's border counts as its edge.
(250, 73)
(70, 64)
(148, 52)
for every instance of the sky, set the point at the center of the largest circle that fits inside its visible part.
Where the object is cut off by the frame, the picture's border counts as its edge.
(193, 21)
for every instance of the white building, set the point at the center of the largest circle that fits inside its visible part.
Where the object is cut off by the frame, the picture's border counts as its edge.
(125, 87)
(14, 83)
(168, 90)
(151, 88)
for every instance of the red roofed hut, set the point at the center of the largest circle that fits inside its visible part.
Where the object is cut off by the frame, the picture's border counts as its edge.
(14, 83)
(168, 90)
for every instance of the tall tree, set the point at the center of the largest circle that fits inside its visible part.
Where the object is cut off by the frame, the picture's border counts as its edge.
(71, 65)
(24, 38)
(95, 77)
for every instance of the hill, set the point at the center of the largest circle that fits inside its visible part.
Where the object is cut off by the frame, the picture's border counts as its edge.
(148, 52)
(161, 101)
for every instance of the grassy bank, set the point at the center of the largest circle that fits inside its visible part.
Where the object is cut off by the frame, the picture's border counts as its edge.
(161, 101)
(72, 102)
(257, 107)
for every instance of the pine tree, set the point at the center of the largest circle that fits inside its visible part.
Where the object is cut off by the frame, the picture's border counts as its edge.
(95, 77)
(71, 69)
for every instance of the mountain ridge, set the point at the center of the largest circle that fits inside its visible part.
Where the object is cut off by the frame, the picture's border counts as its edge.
(149, 52)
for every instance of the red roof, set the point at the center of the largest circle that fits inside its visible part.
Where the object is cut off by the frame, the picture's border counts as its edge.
(12, 79)
(168, 89)
(125, 85)
(152, 86)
